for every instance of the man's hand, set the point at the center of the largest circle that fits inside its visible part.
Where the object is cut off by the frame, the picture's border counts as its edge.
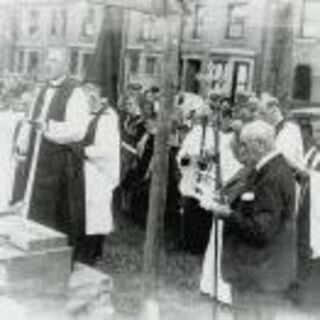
(23, 139)
(208, 201)
(39, 125)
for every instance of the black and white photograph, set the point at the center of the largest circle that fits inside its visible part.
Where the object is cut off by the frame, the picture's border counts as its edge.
(160, 159)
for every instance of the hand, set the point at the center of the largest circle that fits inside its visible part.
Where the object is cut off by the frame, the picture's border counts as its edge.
(208, 201)
(42, 126)
(23, 139)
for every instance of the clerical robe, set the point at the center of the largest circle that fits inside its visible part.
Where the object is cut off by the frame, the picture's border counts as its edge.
(102, 173)
(57, 199)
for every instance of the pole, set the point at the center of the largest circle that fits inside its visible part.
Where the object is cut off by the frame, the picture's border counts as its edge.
(158, 191)
(122, 71)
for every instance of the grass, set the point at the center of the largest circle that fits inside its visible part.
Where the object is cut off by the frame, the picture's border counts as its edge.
(178, 274)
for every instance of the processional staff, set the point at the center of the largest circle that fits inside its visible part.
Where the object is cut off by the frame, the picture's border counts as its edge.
(214, 99)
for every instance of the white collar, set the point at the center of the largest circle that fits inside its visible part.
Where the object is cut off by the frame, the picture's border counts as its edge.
(57, 82)
(266, 159)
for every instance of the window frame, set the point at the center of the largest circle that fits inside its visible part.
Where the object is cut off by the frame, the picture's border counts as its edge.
(55, 15)
(197, 22)
(137, 54)
(33, 21)
(230, 22)
(154, 60)
(304, 19)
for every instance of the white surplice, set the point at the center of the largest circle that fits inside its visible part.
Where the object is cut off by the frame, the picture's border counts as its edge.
(289, 142)
(191, 148)
(102, 174)
(229, 167)
(312, 163)
(74, 126)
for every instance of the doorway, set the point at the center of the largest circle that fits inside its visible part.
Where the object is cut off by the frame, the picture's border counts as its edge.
(192, 69)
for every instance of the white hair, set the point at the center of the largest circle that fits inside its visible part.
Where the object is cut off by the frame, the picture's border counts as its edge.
(259, 131)
(60, 54)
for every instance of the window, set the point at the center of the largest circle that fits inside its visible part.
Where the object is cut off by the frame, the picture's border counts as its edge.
(34, 20)
(88, 25)
(302, 83)
(151, 63)
(310, 27)
(74, 62)
(20, 63)
(197, 22)
(134, 61)
(58, 23)
(87, 58)
(242, 76)
(218, 70)
(148, 32)
(33, 62)
(237, 14)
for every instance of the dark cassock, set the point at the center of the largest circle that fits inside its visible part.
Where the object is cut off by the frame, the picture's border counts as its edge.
(57, 199)
(259, 240)
(196, 222)
(137, 179)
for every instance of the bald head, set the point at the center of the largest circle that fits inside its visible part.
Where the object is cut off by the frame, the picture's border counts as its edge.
(56, 63)
(258, 138)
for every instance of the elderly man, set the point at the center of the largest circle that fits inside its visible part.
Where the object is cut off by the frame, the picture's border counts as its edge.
(288, 134)
(61, 113)
(102, 173)
(259, 254)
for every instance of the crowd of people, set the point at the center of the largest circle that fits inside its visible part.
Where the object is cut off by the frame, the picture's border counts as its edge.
(241, 189)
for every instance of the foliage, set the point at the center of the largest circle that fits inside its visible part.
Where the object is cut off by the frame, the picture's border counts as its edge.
(12, 88)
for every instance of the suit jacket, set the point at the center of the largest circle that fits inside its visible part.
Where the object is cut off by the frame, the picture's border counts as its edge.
(259, 239)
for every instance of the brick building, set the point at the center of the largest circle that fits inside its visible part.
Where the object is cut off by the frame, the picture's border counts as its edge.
(6, 35)
(306, 73)
(41, 24)
(226, 33)
(233, 36)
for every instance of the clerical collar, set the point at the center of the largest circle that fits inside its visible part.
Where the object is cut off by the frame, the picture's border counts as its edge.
(57, 82)
(266, 159)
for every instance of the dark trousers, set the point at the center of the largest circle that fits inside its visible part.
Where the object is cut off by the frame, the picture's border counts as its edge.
(196, 226)
(90, 249)
(253, 305)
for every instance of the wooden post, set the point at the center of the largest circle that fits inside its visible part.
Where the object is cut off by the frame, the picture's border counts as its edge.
(158, 191)
(277, 49)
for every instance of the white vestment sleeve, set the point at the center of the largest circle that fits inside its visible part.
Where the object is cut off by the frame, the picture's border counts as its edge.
(315, 213)
(289, 143)
(105, 152)
(74, 128)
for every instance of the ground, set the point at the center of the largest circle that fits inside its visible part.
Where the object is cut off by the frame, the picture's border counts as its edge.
(178, 286)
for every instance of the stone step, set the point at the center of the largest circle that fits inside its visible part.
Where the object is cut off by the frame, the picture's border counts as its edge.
(30, 236)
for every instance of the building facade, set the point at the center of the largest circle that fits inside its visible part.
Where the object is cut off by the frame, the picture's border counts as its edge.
(228, 38)
(224, 36)
(41, 24)
(306, 68)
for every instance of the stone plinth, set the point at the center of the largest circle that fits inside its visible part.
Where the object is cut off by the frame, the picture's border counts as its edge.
(34, 260)
(35, 276)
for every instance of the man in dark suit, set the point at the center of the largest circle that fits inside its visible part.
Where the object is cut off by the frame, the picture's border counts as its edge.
(259, 240)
